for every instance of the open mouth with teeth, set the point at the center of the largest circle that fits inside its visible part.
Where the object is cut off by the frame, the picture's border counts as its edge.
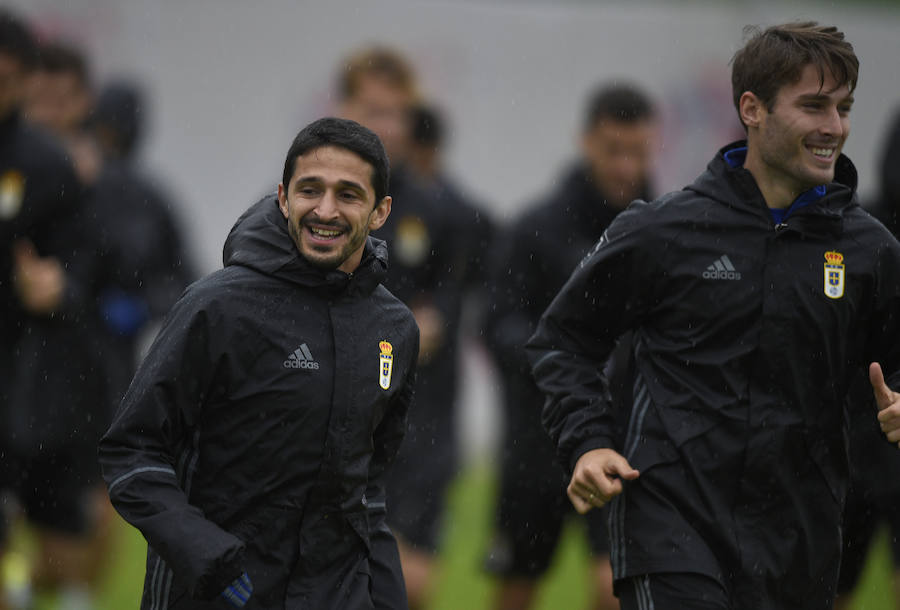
(322, 234)
(823, 153)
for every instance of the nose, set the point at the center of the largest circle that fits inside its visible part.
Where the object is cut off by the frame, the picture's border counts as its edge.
(327, 208)
(834, 123)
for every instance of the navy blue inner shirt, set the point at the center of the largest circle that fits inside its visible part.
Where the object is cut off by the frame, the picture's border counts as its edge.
(735, 158)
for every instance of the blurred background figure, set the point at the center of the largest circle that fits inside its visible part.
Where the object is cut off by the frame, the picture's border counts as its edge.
(60, 98)
(533, 259)
(50, 415)
(142, 265)
(873, 501)
(148, 264)
(378, 89)
(475, 227)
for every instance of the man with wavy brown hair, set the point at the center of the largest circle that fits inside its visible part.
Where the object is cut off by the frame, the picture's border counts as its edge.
(755, 296)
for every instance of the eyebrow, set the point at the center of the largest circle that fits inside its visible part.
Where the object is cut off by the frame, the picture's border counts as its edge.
(825, 95)
(342, 183)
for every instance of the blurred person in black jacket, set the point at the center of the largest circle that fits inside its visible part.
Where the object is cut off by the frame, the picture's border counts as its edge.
(49, 418)
(143, 266)
(531, 262)
(377, 87)
(141, 236)
(874, 497)
(474, 226)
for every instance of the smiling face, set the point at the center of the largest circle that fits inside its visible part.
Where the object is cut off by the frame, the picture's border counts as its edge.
(794, 146)
(330, 207)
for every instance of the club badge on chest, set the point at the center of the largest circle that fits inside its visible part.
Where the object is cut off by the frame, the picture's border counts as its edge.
(834, 275)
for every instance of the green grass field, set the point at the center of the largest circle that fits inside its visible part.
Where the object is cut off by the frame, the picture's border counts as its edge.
(461, 582)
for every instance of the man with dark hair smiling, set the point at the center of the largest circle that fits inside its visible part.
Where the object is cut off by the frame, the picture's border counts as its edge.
(251, 446)
(727, 485)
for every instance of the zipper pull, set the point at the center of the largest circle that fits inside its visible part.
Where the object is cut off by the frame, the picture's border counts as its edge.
(781, 226)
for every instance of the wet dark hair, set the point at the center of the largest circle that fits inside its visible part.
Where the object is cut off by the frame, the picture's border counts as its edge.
(624, 103)
(346, 134)
(62, 58)
(776, 56)
(16, 39)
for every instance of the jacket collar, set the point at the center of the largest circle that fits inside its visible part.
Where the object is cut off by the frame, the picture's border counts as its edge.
(726, 180)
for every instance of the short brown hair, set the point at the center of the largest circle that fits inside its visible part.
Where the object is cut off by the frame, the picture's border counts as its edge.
(379, 61)
(776, 56)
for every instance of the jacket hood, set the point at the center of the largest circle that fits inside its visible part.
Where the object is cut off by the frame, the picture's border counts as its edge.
(734, 185)
(260, 241)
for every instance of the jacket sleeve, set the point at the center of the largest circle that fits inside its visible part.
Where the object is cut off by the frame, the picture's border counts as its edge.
(388, 587)
(145, 454)
(606, 295)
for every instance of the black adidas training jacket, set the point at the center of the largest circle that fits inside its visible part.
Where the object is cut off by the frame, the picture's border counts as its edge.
(737, 423)
(255, 434)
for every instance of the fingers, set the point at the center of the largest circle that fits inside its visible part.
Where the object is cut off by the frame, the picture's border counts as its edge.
(623, 469)
(598, 478)
(594, 495)
(884, 396)
(581, 505)
(889, 420)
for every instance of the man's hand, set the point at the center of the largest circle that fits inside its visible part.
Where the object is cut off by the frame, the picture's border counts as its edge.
(888, 403)
(39, 281)
(598, 478)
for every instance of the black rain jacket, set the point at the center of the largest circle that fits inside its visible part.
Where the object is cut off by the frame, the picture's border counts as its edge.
(746, 337)
(256, 432)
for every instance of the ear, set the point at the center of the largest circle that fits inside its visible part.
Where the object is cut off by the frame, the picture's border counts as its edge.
(751, 108)
(282, 199)
(380, 214)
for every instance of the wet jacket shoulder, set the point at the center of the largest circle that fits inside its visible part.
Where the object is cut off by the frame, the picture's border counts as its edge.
(260, 422)
(713, 287)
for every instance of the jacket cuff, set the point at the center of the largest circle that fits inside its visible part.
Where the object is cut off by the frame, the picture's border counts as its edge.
(224, 572)
(596, 442)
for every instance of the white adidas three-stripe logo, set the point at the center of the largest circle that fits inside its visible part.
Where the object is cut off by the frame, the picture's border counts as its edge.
(301, 358)
(722, 269)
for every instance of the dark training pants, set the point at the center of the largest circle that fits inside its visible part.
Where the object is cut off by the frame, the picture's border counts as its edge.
(668, 591)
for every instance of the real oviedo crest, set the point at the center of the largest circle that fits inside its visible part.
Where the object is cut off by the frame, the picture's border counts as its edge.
(386, 364)
(834, 275)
